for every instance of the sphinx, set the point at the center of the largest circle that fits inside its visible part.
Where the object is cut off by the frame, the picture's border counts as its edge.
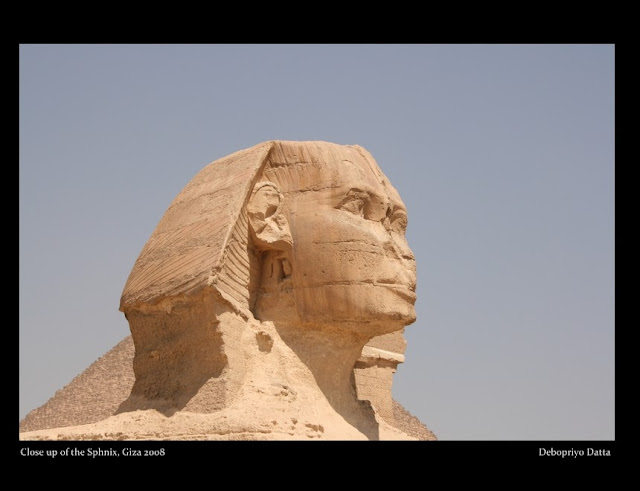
(270, 302)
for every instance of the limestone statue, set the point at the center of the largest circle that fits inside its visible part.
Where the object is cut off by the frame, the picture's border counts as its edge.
(273, 291)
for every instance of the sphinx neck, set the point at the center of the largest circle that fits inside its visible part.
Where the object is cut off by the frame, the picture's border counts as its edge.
(331, 354)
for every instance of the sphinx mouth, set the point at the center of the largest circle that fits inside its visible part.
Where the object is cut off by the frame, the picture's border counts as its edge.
(408, 292)
(402, 291)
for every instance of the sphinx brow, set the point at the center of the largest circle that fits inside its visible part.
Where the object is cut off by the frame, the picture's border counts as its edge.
(365, 188)
(379, 198)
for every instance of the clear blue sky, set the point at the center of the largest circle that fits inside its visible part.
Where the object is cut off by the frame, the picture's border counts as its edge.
(503, 154)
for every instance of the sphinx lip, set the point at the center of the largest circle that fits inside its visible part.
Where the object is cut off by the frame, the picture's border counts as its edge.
(402, 291)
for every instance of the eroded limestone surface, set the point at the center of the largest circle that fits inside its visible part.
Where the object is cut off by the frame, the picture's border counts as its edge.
(269, 303)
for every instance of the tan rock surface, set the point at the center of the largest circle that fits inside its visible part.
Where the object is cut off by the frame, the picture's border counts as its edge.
(98, 391)
(268, 303)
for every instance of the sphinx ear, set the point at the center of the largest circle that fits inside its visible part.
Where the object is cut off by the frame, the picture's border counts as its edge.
(268, 225)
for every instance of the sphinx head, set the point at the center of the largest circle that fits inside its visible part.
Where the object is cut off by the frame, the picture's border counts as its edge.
(308, 236)
(305, 233)
(330, 231)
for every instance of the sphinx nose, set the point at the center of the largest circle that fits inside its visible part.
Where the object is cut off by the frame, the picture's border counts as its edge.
(397, 246)
(401, 265)
(403, 250)
(409, 277)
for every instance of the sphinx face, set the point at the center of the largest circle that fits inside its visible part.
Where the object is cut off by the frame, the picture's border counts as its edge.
(350, 261)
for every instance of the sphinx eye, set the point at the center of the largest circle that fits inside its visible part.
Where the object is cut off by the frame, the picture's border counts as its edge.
(399, 221)
(354, 202)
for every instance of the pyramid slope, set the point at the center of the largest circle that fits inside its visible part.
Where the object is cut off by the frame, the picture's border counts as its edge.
(92, 396)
